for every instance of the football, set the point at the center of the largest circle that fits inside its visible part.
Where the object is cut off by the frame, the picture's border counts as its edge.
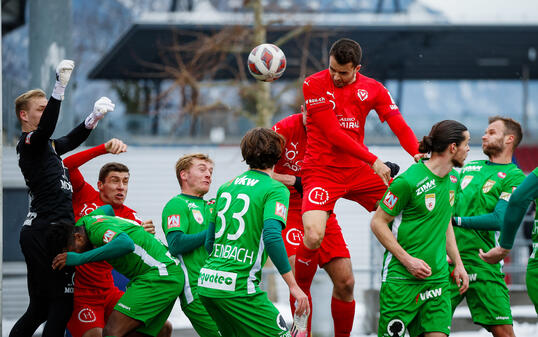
(266, 62)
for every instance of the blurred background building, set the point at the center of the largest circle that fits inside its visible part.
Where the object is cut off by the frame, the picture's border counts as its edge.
(176, 71)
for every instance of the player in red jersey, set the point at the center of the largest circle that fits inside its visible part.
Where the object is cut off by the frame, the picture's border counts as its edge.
(334, 255)
(95, 293)
(337, 163)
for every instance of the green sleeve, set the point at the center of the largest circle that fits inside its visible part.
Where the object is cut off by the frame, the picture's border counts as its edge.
(396, 197)
(210, 237)
(517, 207)
(489, 222)
(180, 243)
(272, 239)
(276, 203)
(121, 245)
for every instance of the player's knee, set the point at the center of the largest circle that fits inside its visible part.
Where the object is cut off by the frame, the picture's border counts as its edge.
(344, 287)
(312, 239)
(166, 330)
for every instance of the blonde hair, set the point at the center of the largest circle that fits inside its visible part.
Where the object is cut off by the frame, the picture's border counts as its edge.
(185, 163)
(21, 102)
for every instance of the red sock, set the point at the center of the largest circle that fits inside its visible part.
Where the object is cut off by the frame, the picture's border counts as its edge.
(343, 314)
(306, 264)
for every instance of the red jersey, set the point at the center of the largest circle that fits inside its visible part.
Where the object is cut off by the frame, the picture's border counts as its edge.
(336, 118)
(294, 131)
(94, 275)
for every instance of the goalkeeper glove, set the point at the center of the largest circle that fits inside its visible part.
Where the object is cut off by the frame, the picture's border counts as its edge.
(394, 168)
(100, 108)
(63, 73)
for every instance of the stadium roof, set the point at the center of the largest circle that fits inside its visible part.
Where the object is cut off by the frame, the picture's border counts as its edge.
(397, 49)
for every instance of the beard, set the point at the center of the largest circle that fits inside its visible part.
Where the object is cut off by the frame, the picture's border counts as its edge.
(457, 163)
(493, 149)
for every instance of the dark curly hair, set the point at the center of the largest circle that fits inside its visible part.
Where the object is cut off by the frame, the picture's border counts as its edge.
(442, 135)
(261, 148)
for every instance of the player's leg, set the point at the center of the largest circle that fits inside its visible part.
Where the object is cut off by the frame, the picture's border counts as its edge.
(433, 313)
(489, 303)
(532, 282)
(35, 314)
(335, 259)
(119, 324)
(219, 315)
(200, 319)
(166, 330)
(396, 308)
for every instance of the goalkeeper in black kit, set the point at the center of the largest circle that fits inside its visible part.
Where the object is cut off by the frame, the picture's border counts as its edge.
(51, 292)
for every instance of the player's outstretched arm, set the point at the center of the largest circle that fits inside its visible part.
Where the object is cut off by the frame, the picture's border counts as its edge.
(180, 243)
(210, 238)
(101, 107)
(63, 74)
(380, 228)
(120, 245)
(488, 222)
(459, 274)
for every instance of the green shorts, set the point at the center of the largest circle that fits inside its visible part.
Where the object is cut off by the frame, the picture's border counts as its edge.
(415, 307)
(204, 325)
(150, 299)
(532, 282)
(488, 300)
(251, 316)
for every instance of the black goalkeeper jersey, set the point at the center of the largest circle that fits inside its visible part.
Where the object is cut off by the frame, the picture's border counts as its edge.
(44, 173)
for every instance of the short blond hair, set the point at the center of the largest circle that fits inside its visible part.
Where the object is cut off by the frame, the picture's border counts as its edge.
(185, 163)
(21, 102)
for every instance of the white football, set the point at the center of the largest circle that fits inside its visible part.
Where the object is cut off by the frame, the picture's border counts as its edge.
(266, 62)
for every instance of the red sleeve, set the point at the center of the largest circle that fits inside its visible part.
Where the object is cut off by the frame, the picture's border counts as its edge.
(77, 180)
(80, 158)
(384, 104)
(319, 107)
(405, 135)
(281, 128)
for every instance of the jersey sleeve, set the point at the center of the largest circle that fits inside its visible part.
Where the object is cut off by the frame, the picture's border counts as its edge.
(319, 110)
(46, 126)
(102, 232)
(396, 197)
(276, 204)
(282, 128)
(384, 104)
(175, 217)
(509, 184)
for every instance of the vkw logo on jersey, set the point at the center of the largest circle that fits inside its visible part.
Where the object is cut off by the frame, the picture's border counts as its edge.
(396, 328)
(429, 200)
(466, 181)
(86, 315)
(108, 236)
(429, 294)
(198, 216)
(362, 94)
(294, 237)
(318, 196)
(174, 221)
(390, 200)
(451, 197)
(488, 185)
(281, 210)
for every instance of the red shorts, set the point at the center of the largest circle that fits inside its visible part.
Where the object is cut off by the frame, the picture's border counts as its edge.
(91, 310)
(332, 246)
(324, 186)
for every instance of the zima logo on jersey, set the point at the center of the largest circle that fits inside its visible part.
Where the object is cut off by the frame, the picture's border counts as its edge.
(501, 175)
(488, 185)
(429, 200)
(396, 328)
(453, 179)
(198, 216)
(216, 279)
(318, 196)
(466, 181)
(390, 200)
(108, 236)
(451, 197)
(362, 94)
(426, 187)
(281, 210)
(505, 196)
(174, 221)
